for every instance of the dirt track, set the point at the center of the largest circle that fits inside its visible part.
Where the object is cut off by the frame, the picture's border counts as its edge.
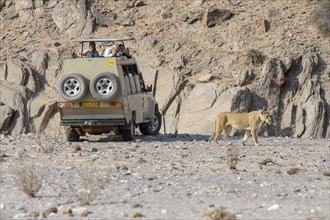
(183, 177)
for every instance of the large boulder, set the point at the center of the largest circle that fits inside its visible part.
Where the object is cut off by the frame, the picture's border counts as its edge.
(269, 88)
(306, 113)
(21, 74)
(6, 117)
(42, 109)
(198, 111)
(29, 9)
(2, 4)
(13, 112)
(74, 18)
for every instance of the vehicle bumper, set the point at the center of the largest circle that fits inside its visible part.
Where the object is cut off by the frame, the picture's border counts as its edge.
(84, 122)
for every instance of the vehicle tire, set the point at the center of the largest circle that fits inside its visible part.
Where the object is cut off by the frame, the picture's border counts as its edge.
(128, 131)
(152, 128)
(72, 87)
(72, 135)
(104, 86)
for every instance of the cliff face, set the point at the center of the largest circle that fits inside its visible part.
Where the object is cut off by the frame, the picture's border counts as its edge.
(211, 56)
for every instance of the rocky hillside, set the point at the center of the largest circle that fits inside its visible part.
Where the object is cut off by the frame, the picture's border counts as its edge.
(210, 55)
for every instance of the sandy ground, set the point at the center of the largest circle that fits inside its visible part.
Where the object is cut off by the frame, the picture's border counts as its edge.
(165, 177)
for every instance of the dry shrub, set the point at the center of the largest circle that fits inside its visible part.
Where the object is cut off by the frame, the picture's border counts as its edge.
(29, 180)
(320, 17)
(254, 57)
(232, 157)
(91, 185)
(48, 143)
(292, 171)
(219, 214)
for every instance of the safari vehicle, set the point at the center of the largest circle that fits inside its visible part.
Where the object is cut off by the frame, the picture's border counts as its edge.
(106, 94)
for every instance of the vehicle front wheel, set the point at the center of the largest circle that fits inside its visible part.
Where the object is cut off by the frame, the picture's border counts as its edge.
(152, 128)
(72, 135)
(128, 131)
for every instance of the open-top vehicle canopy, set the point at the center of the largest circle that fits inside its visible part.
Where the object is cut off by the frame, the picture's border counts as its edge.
(105, 40)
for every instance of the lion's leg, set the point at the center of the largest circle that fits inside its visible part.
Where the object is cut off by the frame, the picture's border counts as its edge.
(255, 138)
(246, 136)
(227, 132)
(217, 131)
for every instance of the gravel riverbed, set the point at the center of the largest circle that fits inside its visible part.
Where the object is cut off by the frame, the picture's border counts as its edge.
(164, 177)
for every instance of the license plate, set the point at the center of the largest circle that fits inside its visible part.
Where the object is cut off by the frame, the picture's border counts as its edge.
(90, 104)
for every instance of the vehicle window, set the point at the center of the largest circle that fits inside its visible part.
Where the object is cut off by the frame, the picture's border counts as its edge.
(133, 80)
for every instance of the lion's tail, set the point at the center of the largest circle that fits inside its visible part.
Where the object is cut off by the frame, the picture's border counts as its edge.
(212, 135)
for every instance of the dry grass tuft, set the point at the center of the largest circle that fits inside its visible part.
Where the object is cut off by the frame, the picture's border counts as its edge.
(91, 185)
(29, 180)
(219, 214)
(232, 157)
(293, 171)
(320, 17)
(254, 57)
(48, 143)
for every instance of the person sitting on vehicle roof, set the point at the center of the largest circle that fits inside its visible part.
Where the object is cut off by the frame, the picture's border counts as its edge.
(91, 52)
(117, 50)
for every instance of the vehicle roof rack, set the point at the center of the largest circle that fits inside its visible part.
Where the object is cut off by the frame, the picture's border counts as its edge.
(105, 40)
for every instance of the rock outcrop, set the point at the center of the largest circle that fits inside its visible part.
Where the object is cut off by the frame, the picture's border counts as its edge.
(199, 51)
(75, 18)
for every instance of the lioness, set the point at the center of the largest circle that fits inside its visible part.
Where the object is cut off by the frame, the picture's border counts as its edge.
(248, 121)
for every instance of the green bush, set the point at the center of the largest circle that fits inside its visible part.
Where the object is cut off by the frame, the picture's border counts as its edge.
(321, 17)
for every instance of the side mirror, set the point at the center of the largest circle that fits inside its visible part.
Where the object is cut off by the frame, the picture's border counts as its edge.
(149, 88)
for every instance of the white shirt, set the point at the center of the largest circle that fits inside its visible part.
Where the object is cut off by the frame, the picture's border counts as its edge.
(89, 54)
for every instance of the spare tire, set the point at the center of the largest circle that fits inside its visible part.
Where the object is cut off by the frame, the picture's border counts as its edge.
(104, 86)
(72, 87)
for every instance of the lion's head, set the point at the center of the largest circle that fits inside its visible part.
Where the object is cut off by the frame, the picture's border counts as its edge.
(265, 117)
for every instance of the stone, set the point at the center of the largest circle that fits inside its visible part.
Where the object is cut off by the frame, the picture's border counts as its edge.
(309, 64)
(269, 88)
(51, 209)
(16, 98)
(266, 25)
(198, 3)
(205, 78)
(79, 210)
(2, 4)
(177, 63)
(6, 117)
(103, 20)
(203, 65)
(245, 77)
(203, 103)
(73, 18)
(215, 16)
(41, 108)
(125, 19)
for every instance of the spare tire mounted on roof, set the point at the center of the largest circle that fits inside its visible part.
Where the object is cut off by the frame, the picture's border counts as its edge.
(104, 86)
